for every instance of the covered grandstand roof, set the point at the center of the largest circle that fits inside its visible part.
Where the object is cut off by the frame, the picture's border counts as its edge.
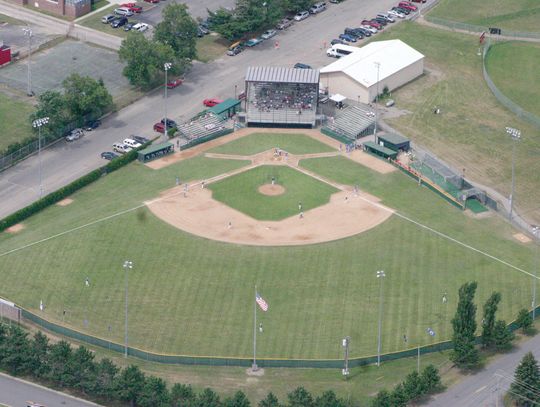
(280, 74)
(392, 56)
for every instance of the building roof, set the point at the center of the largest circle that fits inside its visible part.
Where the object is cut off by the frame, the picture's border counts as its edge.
(156, 147)
(392, 56)
(394, 138)
(280, 74)
(224, 106)
(381, 149)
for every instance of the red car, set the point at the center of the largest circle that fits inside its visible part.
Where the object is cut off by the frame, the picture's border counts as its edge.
(132, 7)
(159, 127)
(212, 102)
(373, 24)
(174, 83)
(407, 5)
(152, 1)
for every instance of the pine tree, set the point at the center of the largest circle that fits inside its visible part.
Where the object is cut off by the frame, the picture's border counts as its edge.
(300, 397)
(465, 354)
(431, 381)
(488, 323)
(39, 353)
(182, 395)
(238, 400)
(413, 386)
(208, 398)
(524, 320)
(154, 393)
(502, 336)
(399, 396)
(130, 384)
(329, 399)
(382, 399)
(269, 401)
(525, 390)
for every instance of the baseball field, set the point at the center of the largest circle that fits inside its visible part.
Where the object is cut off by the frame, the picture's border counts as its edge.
(193, 295)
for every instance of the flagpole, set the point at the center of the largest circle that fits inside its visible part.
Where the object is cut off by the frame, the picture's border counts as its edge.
(254, 366)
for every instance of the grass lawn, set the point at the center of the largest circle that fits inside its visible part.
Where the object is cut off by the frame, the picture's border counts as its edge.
(469, 134)
(515, 15)
(241, 192)
(211, 47)
(317, 294)
(14, 116)
(98, 4)
(259, 142)
(523, 85)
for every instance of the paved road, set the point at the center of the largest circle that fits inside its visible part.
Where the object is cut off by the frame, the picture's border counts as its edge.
(303, 42)
(15, 393)
(485, 387)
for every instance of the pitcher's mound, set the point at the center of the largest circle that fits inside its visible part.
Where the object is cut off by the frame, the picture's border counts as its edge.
(272, 190)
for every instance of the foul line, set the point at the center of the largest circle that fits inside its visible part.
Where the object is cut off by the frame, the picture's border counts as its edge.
(436, 232)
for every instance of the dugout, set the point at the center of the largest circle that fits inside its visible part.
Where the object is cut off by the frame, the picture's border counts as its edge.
(226, 109)
(154, 152)
(379, 150)
(395, 142)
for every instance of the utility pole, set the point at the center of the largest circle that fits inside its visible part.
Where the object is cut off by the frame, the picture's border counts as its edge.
(128, 265)
(380, 276)
(28, 33)
(536, 232)
(38, 123)
(166, 66)
(516, 136)
(378, 65)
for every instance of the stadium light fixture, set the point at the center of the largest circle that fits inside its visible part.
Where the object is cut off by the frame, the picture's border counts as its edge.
(345, 343)
(516, 136)
(378, 65)
(166, 67)
(128, 265)
(380, 275)
(29, 34)
(37, 124)
(536, 233)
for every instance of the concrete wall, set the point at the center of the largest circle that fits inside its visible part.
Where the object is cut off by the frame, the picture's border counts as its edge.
(338, 82)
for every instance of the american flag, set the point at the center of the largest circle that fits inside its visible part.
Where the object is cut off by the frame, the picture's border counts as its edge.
(262, 303)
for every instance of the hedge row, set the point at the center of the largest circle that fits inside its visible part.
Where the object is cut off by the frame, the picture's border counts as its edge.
(69, 189)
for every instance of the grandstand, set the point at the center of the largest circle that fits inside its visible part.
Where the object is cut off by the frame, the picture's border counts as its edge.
(202, 126)
(281, 97)
(352, 122)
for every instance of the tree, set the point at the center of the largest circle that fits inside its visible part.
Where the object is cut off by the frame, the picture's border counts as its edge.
(182, 395)
(130, 384)
(488, 323)
(269, 401)
(179, 30)
(502, 336)
(300, 397)
(154, 393)
(208, 398)
(399, 396)
(84, 370)
(413, 386)
(465, 354)
(431, 380)
(294, 6)
(525, 388)
(238, 400)
(16, 351)
(86, 96)
(60, 355)
(39, 354)
(382, 399)
(524, 320)
(144, 59)
(106, 376)
(52, 104)
(329, 399)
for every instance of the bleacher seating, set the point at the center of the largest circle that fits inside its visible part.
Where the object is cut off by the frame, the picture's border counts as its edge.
(202, 126)
(352, 122)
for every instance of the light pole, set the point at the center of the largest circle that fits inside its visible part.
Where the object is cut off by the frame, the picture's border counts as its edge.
(536, 232)
(166, 66)
(380, 276)
(431, 333)
(516, 135)
(38, 123)
(345, 344)
(128, 265)
(378, 65)
(28, 33)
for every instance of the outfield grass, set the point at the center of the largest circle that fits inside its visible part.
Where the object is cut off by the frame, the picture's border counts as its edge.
(469, 134)
(515, 15)
(187, 294)
(14, 116)
(259, 142)
(241, 192)
(523, 84)
(211, 47)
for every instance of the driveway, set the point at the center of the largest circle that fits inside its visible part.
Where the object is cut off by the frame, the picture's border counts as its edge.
(197, 9)
(303, 42)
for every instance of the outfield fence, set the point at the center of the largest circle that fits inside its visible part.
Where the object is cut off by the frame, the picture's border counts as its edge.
(504, 100)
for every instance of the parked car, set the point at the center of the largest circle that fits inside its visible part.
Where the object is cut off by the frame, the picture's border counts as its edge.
(129, 26)
(212, 102)
(354, 32)
(253, 41)
(318, 7)
(204, 29)
(365, 32)
(121, 148)
(140, 27)
(234, 51)
(401, 10)
(369, 28)
(300, 65)
(268, 34)
(132, 143)
(174, 83)
(94, 124)
(335, 1)
(373, 24)
(336, 41)
(171, 124)
(123, 11)
(396, 14)
(380, 20)
(386, 17)
(285, 23)
(119, 22)
(347, 38)
(140, 139)
(301, 15)
(133, 7)
(75, 134)
(407, 5)
(108, 155)
(152, 1)
(159, 127)
(419, 1)
(108, 18)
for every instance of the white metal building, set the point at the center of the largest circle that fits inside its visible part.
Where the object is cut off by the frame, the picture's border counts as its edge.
(376, 65)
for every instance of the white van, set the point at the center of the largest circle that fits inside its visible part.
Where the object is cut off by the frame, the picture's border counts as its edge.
(318, 7)
(340, 50)
(121, 148)
(131, 143)
(123, 11)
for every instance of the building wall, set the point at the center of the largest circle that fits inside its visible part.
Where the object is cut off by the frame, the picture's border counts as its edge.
(338, 82)
(60, 7)
(398, 79)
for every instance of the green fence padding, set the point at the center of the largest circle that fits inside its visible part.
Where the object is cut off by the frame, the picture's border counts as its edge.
(336, 136)
(201, 140)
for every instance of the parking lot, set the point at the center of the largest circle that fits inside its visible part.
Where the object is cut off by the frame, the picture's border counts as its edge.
(197, 8)
(13, 35)
(51, 66)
